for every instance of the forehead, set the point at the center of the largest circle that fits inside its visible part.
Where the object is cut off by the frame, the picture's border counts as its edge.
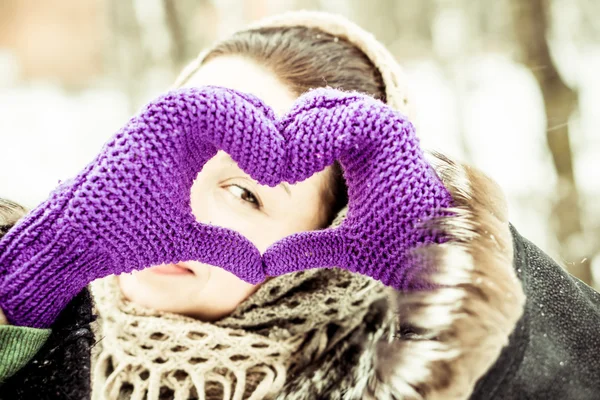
(244, 75)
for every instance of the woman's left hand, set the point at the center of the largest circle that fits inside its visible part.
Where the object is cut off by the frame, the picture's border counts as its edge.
(392, 189)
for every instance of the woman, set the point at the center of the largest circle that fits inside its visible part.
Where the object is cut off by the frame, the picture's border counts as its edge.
(477, 311)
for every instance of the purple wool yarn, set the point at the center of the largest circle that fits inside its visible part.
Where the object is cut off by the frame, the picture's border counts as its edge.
(392, 189)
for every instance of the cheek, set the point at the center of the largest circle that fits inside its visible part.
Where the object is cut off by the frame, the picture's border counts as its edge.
(199, 200)
(222, 282)
(309, 209)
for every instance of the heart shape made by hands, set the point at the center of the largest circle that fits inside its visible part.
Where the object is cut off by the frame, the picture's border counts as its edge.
(130, 207)
(393, 192)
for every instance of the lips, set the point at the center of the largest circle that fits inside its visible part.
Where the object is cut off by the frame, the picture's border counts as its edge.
(171, 269)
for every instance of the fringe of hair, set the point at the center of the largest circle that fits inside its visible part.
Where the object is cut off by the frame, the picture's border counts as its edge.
(10, 213)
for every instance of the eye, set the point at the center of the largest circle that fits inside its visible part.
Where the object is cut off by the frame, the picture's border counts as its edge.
(244, 195)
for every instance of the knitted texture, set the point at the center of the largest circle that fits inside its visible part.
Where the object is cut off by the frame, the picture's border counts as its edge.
(18, 345)
(286, 324)
(393, 192)
(129, 208)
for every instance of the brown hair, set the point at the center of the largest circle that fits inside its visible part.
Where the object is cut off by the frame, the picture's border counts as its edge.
(306, 58)
(10, 213)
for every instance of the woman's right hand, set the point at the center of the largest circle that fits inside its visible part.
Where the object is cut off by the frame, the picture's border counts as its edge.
(129, 209)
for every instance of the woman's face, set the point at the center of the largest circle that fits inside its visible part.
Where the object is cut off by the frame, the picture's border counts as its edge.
(226, 196)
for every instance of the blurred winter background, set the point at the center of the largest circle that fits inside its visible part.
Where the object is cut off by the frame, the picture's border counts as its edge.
(510, 86)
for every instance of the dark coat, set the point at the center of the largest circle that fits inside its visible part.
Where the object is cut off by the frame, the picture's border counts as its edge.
(554, 351)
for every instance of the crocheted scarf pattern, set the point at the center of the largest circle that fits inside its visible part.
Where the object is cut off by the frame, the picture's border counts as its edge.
(275, 333)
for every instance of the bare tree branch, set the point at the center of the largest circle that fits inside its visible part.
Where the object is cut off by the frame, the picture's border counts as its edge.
(174, 25)
(560, 101)
(127, 57)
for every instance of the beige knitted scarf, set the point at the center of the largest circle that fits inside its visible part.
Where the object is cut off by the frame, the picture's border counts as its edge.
(147, 354)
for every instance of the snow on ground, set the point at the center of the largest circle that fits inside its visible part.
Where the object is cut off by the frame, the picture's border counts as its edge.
(47, 135)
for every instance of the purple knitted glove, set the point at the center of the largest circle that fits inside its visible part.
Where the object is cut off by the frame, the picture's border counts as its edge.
(391, 187)
(129, 208)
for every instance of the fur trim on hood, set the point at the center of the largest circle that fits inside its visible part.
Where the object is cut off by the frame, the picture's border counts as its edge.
(463, 324)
